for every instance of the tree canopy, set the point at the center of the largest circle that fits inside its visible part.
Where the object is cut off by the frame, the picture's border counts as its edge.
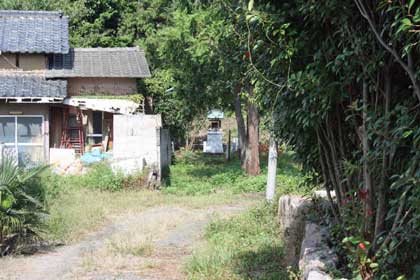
(338, 81)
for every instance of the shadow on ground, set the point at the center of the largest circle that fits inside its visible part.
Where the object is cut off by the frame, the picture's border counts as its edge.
(264, 264)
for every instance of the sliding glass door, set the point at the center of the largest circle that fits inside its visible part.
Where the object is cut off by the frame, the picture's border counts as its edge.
(23, 138)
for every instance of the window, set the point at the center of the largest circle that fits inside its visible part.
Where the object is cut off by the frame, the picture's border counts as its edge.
(23, 138)
(97, 131)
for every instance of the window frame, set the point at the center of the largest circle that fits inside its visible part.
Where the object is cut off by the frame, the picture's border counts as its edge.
(16, 144)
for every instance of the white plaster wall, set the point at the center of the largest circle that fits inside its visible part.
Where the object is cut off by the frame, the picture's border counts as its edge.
(27, 62)
(101, 86)
(136, 142)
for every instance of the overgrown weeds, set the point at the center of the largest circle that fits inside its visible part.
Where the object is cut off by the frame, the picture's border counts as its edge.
(196, 173)
(81, 204)
(99, 176)
(243, 247)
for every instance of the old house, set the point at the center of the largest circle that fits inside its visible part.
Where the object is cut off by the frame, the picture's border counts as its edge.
(57, 102)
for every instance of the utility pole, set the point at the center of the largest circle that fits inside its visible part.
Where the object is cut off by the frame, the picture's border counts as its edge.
(272, 170)
(229, 145)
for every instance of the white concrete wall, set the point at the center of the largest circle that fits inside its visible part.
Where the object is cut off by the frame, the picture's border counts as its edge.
(136, 142)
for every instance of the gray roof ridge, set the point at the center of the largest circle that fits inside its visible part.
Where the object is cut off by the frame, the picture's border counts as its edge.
(37, 73)
(18, 13)
(108, 49)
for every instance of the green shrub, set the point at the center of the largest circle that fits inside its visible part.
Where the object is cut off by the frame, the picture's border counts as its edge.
(22, 205)
(101, 176)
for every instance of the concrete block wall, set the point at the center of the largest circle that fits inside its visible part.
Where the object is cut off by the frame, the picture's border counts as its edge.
(136, 142)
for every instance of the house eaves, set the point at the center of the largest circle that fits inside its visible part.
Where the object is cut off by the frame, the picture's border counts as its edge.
(115, 106)
(23, 87)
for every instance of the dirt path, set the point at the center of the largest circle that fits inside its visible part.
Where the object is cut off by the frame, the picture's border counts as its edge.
(147, 245)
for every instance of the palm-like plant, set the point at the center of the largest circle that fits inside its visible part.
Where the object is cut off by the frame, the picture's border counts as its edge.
(21, 203)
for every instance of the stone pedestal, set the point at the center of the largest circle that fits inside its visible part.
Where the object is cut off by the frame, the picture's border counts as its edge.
(214, 143)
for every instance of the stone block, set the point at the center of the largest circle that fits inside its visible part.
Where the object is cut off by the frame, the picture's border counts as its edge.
(316, 258)
(292, 216)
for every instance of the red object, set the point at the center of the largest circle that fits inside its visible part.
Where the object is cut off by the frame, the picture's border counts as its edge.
(247, 54)
(362, 246)
(72, 136)
(363, 194)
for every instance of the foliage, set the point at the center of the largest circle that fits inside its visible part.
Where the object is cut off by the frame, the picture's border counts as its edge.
(243, 247)
(348, 106)
(336, 80)
(21, 204)
(195, 173)
(101, 176)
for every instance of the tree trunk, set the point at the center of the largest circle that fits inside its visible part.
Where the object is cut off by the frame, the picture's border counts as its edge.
(335, 162)
(272, 170)
(381, 208)
(329, 165)
(241, 127)
(252, 158)
(367, 178)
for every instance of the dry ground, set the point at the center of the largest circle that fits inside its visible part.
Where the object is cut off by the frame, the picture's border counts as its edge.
(146, 244)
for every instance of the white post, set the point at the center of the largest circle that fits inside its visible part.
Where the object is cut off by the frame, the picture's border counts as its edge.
(1, 151)
(272, 170)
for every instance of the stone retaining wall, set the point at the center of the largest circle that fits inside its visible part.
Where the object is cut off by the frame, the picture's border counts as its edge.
(305, 242)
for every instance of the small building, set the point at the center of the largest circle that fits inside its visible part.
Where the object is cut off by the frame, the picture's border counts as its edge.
(57, 101)
(214, 143)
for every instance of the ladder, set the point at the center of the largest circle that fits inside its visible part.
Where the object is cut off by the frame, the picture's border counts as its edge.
(72, 135)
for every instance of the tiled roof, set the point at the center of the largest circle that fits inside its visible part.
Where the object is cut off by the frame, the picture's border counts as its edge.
(33, 32)
(30, 85)
(100, 62)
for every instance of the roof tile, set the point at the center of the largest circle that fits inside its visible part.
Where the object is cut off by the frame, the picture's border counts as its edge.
(30, 85)
(33, 32)
(100, 62)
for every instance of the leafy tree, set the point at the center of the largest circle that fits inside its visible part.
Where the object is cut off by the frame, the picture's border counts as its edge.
(349, 107)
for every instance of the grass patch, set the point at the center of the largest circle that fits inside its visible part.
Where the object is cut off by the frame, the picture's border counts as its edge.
(243, 247)
(99, 176)
(127, 247)
(77, 211)
(81, 204)
(196, 173)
